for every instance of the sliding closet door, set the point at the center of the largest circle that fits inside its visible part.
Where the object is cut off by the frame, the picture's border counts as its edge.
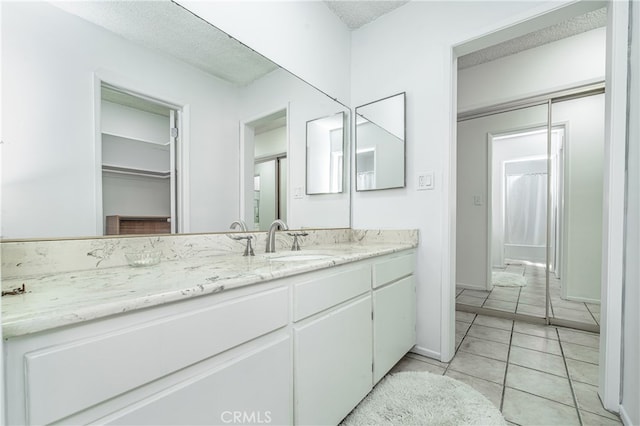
(502, 178)
(575, 290)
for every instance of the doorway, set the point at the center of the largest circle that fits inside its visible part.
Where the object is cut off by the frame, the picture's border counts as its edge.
(264, 183)
(139, 141)
(270, 189)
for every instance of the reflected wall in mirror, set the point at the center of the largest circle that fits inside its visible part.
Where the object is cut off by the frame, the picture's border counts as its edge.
(52, 167)
(325, 154)
(270, 180)
(380, 144)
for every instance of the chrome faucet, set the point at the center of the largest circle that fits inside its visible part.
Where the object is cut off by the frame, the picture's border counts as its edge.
(271, 236)
(240, 224)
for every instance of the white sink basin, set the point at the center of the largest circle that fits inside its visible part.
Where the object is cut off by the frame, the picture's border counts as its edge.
(299, 257)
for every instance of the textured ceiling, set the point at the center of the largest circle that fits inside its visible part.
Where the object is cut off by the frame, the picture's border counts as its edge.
(358, 13)
(164, 26)
(571, 27)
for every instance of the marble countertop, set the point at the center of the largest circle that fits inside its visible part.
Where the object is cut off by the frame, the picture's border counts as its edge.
(64, 298)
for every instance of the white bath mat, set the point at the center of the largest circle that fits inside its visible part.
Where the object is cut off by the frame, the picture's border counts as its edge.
(421, 398)
(507, 279)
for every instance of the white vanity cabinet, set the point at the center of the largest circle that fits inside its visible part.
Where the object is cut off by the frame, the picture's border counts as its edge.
(332, 345)
(186, 362)
(394, 308)
(303, 349)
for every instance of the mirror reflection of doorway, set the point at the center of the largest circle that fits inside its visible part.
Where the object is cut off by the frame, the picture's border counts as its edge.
(533, 248)
(270, 191)
(269, 157)
(139, 150)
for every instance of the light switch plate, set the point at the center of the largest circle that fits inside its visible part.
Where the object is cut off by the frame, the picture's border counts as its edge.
(297, 192)
(425, 181)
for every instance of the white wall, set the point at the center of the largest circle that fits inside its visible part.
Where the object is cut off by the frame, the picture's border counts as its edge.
(124, 121)
(304, 37)
(409, 50)
(553, 66)
(276, 91)
(49, 170)
(271, 142)
(630, 409)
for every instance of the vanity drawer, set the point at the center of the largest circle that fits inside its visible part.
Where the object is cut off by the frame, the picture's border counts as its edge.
(318, 294)
(65, 379)
(393, 269)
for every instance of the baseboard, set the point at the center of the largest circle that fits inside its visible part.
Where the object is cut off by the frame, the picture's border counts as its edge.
(471, 287)
(583, 300)
(624, 416)
(425, 352)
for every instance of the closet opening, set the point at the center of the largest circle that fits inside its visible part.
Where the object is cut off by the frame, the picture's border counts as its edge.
(139, 147)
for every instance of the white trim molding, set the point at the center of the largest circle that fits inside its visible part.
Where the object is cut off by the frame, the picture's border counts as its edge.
(614, 196)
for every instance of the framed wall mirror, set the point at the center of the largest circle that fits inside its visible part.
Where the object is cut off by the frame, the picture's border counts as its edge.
(54, 182)
(325, 154)
(380, 144)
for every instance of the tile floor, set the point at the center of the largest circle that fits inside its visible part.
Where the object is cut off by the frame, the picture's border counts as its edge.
(530, 299)
(535, 374)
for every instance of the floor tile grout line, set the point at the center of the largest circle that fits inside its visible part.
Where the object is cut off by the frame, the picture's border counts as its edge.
(484, 356)
(573, 392)
(544, 397)
(458, 347)
(591, 313)
(506, 367)
(471, 375)
(515, 311)
(540, 371)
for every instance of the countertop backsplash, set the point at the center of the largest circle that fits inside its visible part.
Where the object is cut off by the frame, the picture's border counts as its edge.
(33, 258)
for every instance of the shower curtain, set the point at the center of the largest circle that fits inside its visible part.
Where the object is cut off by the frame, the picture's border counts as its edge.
(526, 209)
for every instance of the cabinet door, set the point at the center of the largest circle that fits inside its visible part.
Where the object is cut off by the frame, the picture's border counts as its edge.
(332, 363)
(394, 324)
(254, 388)
(67, 378)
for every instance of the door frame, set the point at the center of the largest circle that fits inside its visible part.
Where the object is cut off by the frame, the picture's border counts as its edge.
(247, 159)
(180, 154)
(615, 140)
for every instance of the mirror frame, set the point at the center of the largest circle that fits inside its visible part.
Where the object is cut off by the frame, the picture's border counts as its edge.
(404, 143)
(342, 163)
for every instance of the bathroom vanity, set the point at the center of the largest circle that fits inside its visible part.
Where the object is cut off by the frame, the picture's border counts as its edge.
(207, 336)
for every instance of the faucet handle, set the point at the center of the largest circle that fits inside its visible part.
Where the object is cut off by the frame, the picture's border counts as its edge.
(296, 243)
(248, 251)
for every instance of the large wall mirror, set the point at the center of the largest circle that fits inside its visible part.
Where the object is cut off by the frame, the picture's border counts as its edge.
(325, 154)
(380, 144)
(86, 86)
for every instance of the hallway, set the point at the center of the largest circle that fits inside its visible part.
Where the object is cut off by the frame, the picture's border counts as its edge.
(535, 374)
